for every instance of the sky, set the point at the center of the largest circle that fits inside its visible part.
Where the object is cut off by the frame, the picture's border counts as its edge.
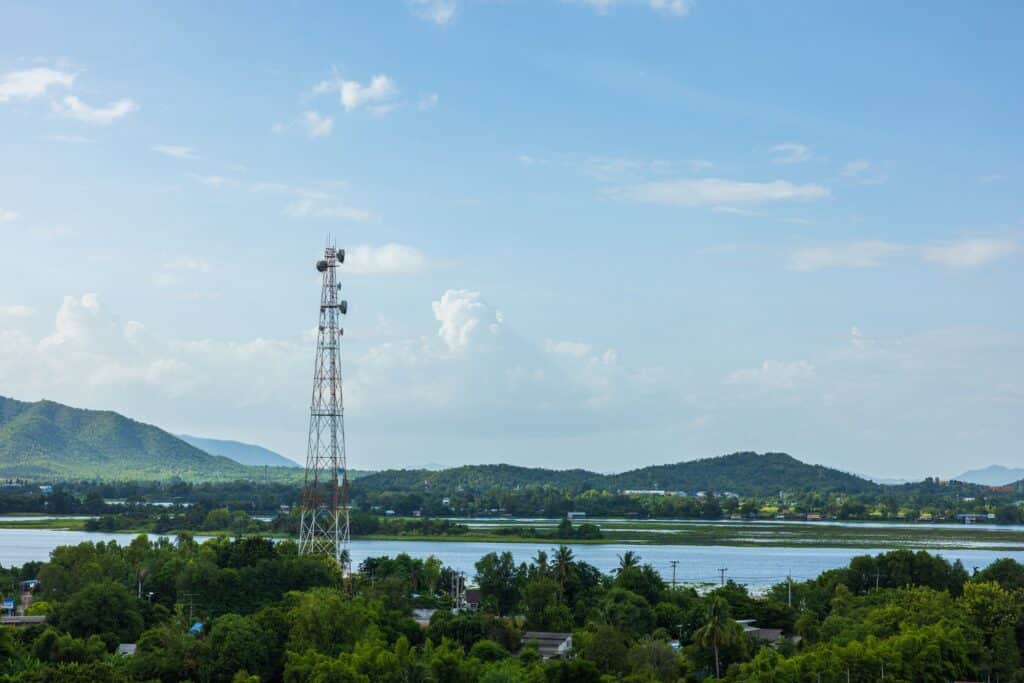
(599, 234)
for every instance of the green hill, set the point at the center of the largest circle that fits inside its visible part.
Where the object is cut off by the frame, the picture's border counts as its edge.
(50, 441)
(744, 473)
(749, 474)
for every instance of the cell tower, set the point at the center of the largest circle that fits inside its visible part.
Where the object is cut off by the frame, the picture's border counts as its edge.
(325, 503)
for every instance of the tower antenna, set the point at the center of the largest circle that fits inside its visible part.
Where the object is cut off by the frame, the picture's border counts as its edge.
(324, 522)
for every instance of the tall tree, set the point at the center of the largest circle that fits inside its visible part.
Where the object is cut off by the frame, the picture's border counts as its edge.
(627, 560)
(718, 630)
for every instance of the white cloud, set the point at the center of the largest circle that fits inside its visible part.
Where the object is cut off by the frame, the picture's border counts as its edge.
(74, 108)
(214, 181)
(715, 191)
(969, 253)
(568, 348)
(864, 173)
(188, 263)
(172, 271)
(791, 153)
(875, 253)
(472, 378)
(16, 311)
(317, 125)
(7, 216)
(377, 95)
(774, 375)
(31, 83)
(69, 139)
(176, 151)
(386, 259)
(679, 8)
(428, 101)
(317, 207)
(867, 254)
(441, 12)
(464, 316)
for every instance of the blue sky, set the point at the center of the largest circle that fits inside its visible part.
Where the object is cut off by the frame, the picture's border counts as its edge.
(595, 234)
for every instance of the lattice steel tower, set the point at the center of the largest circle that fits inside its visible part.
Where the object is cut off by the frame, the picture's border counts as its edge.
(325, 504)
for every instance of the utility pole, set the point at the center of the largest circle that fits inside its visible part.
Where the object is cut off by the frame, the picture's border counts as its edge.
(324, 525)
(721, 572)
(674, 563)
(789, 590)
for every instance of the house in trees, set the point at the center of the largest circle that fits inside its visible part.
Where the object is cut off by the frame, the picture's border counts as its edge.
(549, 645)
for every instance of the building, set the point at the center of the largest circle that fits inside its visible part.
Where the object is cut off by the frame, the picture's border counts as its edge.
(772, 636)
(549, 645)
(422, 616)
(126, 649)
(575, 515)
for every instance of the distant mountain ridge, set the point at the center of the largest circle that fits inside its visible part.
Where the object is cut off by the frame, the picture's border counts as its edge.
(242, 453)
(745, 473)
(47, 440)
(993, 475)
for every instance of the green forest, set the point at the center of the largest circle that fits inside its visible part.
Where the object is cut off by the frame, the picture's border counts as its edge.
(247, 610)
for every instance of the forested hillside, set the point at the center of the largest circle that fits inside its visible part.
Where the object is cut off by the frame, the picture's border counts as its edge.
(47, 440)
(748, 474)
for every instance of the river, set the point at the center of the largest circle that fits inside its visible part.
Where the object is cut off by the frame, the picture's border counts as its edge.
(756, 567)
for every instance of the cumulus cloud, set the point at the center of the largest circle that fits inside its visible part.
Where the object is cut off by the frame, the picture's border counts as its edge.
(16, 311)
(464, 316)
(73, 107)
(867, 254)
(377, 95)
(317, 125)
(774, 375)
(440, 12)
(31, 83)
(470, 375)
(387, 259)
(970, 253)
(176, 151)
(715, 191)
(791, 153)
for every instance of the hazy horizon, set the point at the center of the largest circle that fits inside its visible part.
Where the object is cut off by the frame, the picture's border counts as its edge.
(585, 234)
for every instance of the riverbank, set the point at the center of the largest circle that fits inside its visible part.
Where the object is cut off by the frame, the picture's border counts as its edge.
(659, 533)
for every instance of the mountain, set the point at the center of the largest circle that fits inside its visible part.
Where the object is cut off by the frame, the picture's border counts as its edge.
(750, 474)
(242, 453)
(745, 474)
(993, 475)
(47, 440)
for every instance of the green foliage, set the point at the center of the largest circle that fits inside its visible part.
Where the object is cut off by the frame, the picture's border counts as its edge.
(47, 440)
(267, 614)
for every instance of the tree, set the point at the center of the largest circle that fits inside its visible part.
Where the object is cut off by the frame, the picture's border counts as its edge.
(718, 630)
(235, 643)
(627, 560)
(499, 578)
(103, 607)
(563, 565)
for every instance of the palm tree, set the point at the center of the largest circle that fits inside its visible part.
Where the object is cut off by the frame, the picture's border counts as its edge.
(719, 630)
(628, 560)
(542, 563)
(563, 564)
